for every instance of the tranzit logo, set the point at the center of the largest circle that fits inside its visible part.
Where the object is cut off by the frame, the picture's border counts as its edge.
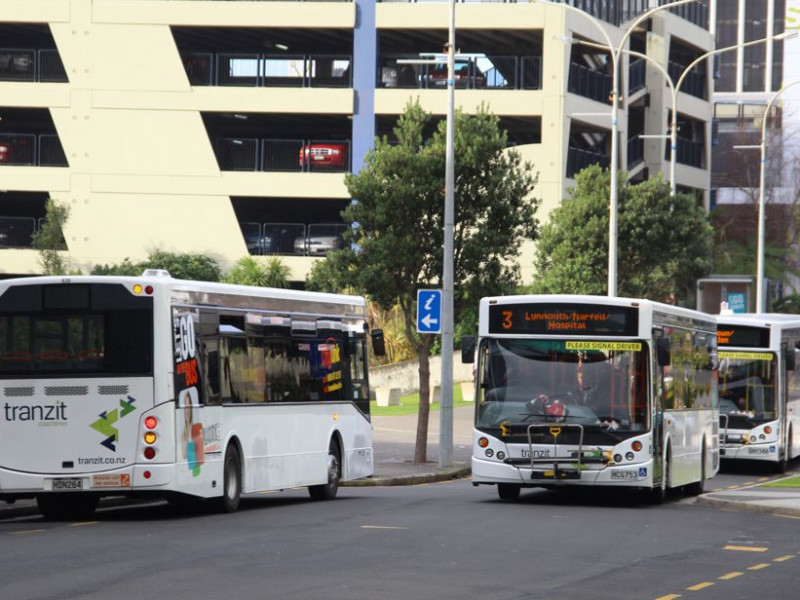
(105, 424)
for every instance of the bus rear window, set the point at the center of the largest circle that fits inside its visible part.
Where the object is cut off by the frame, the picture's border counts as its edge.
(66, 336)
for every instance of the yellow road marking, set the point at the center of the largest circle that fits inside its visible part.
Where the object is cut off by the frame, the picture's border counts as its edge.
(783, 558)
(731, 575)
(732, 487)
(700, 586)
(763, 478)
(785, 516)
(27, 531)
(83, 523)
(758, 567)
(717, 489)
(746, 548)
(669, 597)
(381, 527)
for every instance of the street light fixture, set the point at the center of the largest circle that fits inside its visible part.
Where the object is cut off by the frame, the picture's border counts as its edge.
(762, 199)
(676, 87)
(615, 52)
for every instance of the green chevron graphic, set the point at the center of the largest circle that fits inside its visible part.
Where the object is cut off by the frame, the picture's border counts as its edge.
(105, 424)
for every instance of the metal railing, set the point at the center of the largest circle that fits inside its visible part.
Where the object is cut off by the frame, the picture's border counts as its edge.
(17, 232)
(694, 83)
(589, 83)
(690, 152)
(637, 75)
(486, 73)
(635, 151)
(253, 154)
(28, 64)
(268, 70)
(578, 159)
(694, 12)
(28, 149)
(297, 239)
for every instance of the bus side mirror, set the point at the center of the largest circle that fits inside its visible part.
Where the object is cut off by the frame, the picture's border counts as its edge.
(467, 349)
(662, 352)
(378, 343)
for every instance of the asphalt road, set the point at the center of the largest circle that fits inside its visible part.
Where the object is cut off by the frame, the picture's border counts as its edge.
(441, 540)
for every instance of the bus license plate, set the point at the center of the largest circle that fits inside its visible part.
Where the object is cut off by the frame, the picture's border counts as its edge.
(68, 484)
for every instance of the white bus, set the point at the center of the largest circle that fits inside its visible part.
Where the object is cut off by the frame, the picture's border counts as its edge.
(187, 390)
(759, 388)
(593, 391)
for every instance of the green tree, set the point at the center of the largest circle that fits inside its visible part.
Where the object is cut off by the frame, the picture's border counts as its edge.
(49, 240)
(249, 271)
(197, 267)
(398, 224)
(126, 267)
(664, 243)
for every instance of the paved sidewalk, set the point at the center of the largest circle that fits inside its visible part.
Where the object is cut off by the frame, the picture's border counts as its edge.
(394, 439)
(756, 498)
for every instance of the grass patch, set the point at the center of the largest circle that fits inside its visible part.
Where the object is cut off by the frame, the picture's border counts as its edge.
(791, 482)
(409, 404)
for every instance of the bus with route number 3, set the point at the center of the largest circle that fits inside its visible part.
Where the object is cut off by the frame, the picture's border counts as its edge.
(155, 386)
(593, 391)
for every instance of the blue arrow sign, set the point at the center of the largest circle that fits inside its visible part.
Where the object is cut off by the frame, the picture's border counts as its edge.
(429, 311)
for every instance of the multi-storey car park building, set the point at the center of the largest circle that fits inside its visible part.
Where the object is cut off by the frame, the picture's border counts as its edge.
(226, 127)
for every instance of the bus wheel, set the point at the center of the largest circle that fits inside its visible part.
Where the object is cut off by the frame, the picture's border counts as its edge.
(62, 507)
(231, 482)
(508, 491)
(659, 494)
(328, 490)
(783, 461)
(697, 488)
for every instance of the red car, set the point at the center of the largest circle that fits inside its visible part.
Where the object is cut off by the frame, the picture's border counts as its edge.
(323, 154)
(464, 78)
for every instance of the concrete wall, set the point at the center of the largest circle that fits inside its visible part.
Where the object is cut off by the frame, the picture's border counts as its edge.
(405, 375)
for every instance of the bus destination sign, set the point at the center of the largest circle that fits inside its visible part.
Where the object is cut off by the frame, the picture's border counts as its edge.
(742, 336)
(569, 319)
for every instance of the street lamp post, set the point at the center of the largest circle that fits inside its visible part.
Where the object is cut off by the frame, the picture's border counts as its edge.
(762, 199)
(615, 52)
(446, 409)
(676, 87)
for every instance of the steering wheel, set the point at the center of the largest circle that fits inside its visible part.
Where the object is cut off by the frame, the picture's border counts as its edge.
(490, 412)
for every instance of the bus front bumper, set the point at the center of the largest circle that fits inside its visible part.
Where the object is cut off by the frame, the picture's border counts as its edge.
(630, 475)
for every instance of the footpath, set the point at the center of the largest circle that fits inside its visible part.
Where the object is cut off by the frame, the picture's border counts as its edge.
(394, 439)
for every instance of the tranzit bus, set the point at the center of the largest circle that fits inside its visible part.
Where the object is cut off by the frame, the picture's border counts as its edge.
(759, 388)
(593, 391)
(183, 389)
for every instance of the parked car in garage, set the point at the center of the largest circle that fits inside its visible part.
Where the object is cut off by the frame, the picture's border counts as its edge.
(467, 75)
(317, 245)
(16, 61)
(324, 154)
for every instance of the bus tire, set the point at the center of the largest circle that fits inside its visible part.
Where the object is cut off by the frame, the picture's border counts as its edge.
(231, 481)
(508, 491)
(659, 494)
(783, 461)
(698, 487)
(65, 507)
(327, 491)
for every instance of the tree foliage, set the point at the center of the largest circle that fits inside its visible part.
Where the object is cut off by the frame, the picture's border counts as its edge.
(395, 245)
(49, 240)
(664, 242)
(198, 267)
(249, 271)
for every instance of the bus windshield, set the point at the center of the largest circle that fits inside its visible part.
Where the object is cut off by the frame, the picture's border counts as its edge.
(599, 385)
(747, 386)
